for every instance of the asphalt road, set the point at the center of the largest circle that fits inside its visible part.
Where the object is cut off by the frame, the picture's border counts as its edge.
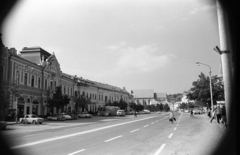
(150, 134)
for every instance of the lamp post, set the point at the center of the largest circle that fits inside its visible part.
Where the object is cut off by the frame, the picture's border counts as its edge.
(198, 63)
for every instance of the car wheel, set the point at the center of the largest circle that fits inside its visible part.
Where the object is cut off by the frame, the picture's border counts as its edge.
(40, 122)
(33, 122)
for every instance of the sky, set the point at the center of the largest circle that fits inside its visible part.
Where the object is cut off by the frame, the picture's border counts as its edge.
(136, 44)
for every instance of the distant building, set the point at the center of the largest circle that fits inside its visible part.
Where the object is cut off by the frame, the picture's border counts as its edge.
(148, 97)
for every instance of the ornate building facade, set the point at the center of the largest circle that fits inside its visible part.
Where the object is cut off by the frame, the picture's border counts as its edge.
(37, 73)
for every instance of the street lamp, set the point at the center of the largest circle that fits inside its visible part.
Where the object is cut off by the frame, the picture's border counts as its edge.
(198, 63)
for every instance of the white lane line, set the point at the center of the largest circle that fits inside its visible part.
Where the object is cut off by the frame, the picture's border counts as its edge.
(175, 128)
(76, 134)
(170, 135)
(152, 123)
(160, 149)
(145, 126)
(134, 130)
(112, 139)
(77, 152)
(36, 134)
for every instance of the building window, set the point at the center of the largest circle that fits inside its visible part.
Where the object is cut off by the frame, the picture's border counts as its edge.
(64, 90)
(55, 84)
(17, 77)
(32, 84)
(45, 83)
(25, 78)
(68, 91)
(39, 86)
(75, 93)
(51, 85)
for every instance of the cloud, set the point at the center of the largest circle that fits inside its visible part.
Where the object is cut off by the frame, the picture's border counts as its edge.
(116, 47)
(194, 11)
(145, 58)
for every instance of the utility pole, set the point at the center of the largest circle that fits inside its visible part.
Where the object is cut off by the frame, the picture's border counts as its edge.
(224, 51)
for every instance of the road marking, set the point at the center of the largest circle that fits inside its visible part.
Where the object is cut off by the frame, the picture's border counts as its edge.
(175, 128)
(152, 123)
(112, 139)
(77, 152)
(36, 134)
(160, 149)
(145, 126)
(177, 124)
(76, 134)
(134, 130)
(170, 135)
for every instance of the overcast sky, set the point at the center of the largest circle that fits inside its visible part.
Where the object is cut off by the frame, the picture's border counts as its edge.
(137, 44)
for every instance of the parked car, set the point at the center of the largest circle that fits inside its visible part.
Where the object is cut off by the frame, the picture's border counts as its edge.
(120, 113)
(67, 117)
(3, 125)
(73, 115)
(31, 118)
(84, 115)
(56, 117)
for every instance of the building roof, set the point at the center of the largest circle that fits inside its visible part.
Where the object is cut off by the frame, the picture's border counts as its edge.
(143, 93)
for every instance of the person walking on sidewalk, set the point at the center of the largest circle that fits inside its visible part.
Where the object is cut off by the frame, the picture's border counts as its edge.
(217, 113)
(224, 119)
(135, 114)
(172, 118)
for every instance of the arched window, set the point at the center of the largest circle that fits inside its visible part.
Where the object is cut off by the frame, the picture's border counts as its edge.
(39, 82)
(17, 77)
(32, 84)
(25, 78)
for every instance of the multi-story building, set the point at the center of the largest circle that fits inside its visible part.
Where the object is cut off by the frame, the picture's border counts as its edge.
(33, 76)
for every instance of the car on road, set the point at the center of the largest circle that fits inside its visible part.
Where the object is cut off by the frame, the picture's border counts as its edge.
(84, 115)
(3, 125)
(56, 117)
(67, 117)
(197, 111)
(74, 116)
(31, 118)
(120, 113)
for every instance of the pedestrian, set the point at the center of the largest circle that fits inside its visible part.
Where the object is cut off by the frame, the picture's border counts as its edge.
(218, 113)
(135, 114)
(224, 119)
(191, 112)
(172, 118)
(209, 113)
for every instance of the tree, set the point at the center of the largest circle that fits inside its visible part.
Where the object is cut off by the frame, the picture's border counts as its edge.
(58, 100)
(82, 102)
(122, 104)
(166, 107)
(7, 89)
(200, 90)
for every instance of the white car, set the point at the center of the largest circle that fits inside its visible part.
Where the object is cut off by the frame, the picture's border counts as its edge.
(120, 113)
(31, 118)
(66, 116)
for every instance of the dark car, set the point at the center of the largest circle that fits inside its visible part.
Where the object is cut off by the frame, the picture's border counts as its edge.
(74, 116)
(3, 125)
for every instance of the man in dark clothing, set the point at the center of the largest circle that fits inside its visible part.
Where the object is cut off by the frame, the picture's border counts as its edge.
(218, 113)
(224, 119)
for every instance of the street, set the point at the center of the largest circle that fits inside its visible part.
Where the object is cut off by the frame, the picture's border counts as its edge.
(149, 134)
